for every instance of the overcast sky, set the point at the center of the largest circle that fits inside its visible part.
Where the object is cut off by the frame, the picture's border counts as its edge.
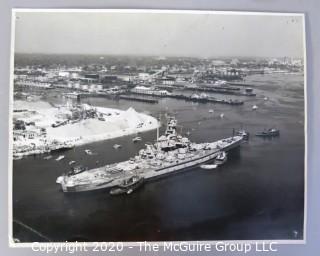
(194, 35)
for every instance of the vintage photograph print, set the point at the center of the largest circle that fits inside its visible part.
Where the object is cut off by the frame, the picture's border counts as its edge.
(145, 125)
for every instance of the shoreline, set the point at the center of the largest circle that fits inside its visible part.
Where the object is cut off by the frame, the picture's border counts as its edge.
(117, 123)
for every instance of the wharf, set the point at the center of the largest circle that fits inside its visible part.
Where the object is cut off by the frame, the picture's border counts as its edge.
(242, 84)
(221, 91)
(210, 86)
(97, 95)
(116, 97)
(220, 87)
(193, 99)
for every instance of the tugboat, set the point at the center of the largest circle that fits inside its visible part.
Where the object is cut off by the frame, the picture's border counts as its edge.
(127, 186)
(221, 158)
(244, 134)
(272, 132)
(76, 170)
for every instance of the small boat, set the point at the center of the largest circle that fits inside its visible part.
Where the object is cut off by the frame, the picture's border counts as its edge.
(243, 133)
(17, 157)
(209, 166)
(60, 157)
(188, 133)
(221, 115)
(88, 151)
(221, 158)
(127, 186)
(72, 162)
(47, 157)
(116, 146)
(136, 139)
(254, 107)
(265, 98)
(272, 132)
(211, 111)
(76, 170)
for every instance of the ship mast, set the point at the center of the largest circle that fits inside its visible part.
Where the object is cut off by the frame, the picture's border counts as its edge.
(158, 131)
(159, 122)
(157, 141)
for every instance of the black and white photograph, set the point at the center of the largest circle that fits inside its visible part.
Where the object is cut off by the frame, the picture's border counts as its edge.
(149, 125)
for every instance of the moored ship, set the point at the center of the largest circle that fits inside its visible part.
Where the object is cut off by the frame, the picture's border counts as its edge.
(127, 186)
(272, 132)
(171, 153)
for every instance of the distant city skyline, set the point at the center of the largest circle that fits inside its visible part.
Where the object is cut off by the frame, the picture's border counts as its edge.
(160, 34)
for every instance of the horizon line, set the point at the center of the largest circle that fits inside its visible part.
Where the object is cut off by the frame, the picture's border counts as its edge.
(159, 56)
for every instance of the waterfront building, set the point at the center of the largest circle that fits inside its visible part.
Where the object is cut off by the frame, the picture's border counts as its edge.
(30, 83)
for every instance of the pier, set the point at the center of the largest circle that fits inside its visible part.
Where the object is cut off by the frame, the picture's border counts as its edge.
(134, 96)
(242, 84)
(141, 99)
(116, 97)
(191, 98)
(97, 95)
(219, 87)
(222, 91)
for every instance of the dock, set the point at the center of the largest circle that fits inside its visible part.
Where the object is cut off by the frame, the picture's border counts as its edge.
(219, 87)
(133, 96)
(190, 98)
(97, 95)
(141, 99)
(242, 84)
(221, 91)
(117, 97)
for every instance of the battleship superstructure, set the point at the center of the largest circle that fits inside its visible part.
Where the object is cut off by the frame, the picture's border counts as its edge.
(171, 153)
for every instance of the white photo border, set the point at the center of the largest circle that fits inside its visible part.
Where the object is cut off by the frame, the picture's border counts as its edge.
(12, 244)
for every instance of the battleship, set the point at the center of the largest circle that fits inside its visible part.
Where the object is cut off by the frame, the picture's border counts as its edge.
(171, 153)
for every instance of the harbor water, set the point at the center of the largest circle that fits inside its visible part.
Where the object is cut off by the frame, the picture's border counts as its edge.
(257, 194)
